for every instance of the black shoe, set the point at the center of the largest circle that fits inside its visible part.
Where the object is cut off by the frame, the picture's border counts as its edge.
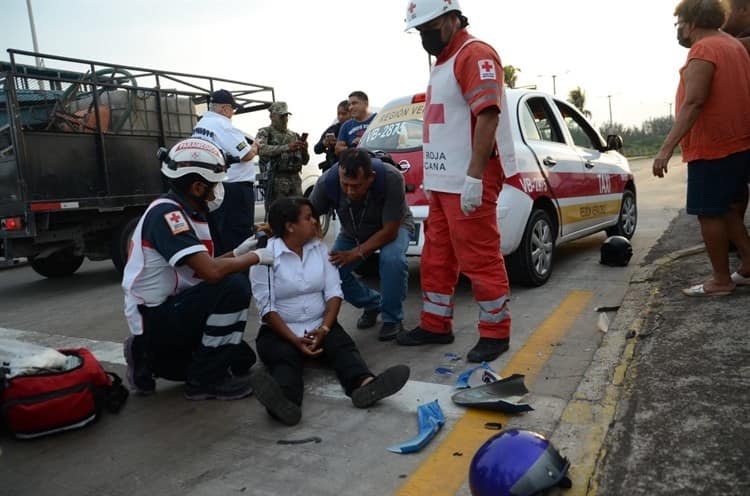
(229, 388)
(389, 330)
(419, 336)
(487, 349)
(368, 318)
(139, 374)
(389, 382)
(271, 396)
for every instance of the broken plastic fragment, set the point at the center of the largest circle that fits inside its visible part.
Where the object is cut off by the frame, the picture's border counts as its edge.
(463, 379)
(430, 419)
(603, 322)
(443, 371)
(504, 395)
(453, 357)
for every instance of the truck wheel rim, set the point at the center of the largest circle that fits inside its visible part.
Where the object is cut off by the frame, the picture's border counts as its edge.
(541, 247)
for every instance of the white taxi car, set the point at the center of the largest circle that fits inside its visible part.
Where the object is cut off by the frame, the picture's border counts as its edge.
(563, 181)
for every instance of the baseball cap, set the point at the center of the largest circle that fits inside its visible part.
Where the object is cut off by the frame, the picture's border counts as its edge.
(279, 108)
(223, 97)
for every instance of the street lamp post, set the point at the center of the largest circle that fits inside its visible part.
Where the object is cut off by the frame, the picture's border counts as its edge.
(554, 80)
(39, 61)
(609, 97)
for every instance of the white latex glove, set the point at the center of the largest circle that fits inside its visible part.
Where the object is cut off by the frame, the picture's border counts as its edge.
(471, 195)
(265, 255)
(245, 246)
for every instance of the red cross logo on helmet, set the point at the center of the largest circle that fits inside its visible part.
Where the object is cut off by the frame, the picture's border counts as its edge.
(412, 7)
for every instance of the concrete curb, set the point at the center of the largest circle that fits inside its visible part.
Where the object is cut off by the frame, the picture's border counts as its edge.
(588, 416)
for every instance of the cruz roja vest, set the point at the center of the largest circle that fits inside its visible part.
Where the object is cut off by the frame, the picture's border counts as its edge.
(447, 131)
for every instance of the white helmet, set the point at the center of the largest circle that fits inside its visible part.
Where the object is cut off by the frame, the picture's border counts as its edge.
(197, 156)
(419, 12)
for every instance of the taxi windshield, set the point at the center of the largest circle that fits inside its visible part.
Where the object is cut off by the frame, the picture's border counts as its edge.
(395, 129)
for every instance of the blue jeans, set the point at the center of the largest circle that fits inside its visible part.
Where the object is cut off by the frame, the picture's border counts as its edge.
(394, 277)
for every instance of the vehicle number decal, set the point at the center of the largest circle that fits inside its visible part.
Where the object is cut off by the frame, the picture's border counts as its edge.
(533, 185)
(386, 131)
(605, 184)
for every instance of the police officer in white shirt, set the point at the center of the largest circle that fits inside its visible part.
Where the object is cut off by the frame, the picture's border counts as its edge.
(299, 298)
(233, 221)
(185, 309)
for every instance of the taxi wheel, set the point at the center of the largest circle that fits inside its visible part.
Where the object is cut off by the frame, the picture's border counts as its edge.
(531, 263)
(120, 243)
(628, 218)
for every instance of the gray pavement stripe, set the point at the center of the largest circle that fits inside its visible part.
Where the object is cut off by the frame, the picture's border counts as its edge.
(319, 383)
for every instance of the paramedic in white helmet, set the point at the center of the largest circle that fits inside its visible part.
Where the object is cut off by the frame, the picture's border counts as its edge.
(185, 309)
(463, 175)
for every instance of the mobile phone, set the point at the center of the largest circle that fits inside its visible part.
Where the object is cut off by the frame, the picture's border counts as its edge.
(330, 135)
(303, 137)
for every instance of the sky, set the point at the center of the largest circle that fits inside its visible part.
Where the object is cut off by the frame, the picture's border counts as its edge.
(314, 53)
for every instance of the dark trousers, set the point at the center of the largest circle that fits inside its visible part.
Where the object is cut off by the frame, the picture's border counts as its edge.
(286, 363)
(197, 334)
(232, 223)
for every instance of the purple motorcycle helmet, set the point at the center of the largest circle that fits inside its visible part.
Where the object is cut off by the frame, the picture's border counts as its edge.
(517, 463)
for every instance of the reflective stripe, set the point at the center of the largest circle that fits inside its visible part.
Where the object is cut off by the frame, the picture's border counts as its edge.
(439, 310)
(493, 318)
(490, 305)
(493, 311)
(486, 86)
(216, 341)
(438, 298)
(226, 319)
(483, 99)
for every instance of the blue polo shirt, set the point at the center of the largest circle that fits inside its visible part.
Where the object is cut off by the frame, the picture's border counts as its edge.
(352, 129)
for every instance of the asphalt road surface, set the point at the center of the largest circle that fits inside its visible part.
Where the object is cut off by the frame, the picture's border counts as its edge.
(166, 445)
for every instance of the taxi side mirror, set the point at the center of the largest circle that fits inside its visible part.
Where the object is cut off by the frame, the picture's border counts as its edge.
(614, 142)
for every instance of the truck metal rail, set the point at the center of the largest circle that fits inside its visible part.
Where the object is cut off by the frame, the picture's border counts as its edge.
(77, 152)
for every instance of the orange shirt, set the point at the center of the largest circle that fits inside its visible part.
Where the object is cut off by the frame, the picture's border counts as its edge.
(723, 125)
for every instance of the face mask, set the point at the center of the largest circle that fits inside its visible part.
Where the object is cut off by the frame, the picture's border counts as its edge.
(432, 41)
(219, 197)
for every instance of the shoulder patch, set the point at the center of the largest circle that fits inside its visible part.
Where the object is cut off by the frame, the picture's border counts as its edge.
(242, 146)
(176, 222)
(487, 69)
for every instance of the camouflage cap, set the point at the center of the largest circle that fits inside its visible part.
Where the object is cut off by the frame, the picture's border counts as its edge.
(279, 108)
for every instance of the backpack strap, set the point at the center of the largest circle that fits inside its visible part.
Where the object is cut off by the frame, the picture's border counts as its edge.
(115, 395)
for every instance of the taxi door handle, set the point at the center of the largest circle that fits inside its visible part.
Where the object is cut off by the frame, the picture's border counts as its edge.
(549, 161)
(589, 164)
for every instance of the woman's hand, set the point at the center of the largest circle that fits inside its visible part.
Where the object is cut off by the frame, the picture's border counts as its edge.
(306, 344)
(317, 337)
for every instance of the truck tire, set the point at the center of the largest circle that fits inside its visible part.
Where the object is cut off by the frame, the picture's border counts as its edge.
(121, 243)
(531, 263)
(628, 218)
(60, 264)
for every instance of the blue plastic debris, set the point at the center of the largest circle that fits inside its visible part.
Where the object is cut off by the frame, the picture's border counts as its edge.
(453, 357)
(463, 379)
(430, 419)
(443, 371)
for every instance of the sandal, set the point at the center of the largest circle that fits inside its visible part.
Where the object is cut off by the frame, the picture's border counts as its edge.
(699, 290)
(740, 280)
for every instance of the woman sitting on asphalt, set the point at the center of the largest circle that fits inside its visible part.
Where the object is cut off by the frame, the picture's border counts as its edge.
(713, 128)
(299, 300)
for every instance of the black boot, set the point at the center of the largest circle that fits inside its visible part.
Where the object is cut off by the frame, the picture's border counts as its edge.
(488, 349)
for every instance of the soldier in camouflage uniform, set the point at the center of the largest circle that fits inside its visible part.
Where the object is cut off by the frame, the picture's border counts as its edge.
(282, 155)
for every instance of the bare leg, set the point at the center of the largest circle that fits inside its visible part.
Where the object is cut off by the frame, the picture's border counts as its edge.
(714, 232)
(738, 234)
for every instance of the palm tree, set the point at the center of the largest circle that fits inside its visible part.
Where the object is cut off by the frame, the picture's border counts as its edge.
(578, 98)
(510, 74)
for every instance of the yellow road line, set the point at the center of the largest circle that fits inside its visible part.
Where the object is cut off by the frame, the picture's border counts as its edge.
(443, 473)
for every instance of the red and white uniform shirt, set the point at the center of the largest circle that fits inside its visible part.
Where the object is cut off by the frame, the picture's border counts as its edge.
(460, 88)
(165, 235)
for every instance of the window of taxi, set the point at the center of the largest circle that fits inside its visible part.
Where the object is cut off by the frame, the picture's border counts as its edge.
(395, 129)
(582, 133)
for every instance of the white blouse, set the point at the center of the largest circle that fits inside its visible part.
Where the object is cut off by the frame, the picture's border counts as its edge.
(299, 288)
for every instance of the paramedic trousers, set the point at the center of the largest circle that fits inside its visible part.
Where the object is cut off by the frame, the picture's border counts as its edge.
(285, 362)
(196, 335)
(469, 244)
(394, 278)
(232, 223)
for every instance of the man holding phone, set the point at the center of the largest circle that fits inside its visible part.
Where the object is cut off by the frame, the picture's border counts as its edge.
(327, 142)
(282, 154)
